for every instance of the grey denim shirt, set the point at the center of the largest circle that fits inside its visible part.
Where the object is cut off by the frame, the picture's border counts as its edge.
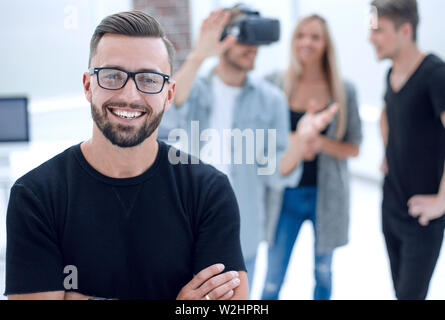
(259, 106)
(332, 213)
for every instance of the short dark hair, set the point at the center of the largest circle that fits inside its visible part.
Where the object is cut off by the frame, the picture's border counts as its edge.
(131, 23)
(399, 12)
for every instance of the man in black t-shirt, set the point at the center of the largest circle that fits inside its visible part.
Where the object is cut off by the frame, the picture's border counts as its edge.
(413, 131)
(112, 217)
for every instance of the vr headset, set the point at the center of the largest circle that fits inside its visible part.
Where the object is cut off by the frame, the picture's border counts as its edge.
(253, 29)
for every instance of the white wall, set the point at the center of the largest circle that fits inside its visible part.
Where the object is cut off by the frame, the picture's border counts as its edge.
(45, 44)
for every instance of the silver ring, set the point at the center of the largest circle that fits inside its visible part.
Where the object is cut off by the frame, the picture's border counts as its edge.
(207, 297)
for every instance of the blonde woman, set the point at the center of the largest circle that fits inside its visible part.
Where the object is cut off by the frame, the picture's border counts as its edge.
(322, 196)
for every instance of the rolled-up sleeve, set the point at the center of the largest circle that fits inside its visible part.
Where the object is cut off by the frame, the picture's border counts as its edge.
(281, 123)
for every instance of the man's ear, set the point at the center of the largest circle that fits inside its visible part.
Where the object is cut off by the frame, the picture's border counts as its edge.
(407, 30)
(87, 86)
(170, 94)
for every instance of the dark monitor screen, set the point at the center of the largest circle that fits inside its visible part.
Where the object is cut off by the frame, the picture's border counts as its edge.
(14, 124)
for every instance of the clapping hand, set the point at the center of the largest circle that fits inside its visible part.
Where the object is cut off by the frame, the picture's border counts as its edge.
(313, 123)
(310, 127)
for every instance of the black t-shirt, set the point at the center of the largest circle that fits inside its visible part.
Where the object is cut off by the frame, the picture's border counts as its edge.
(137, 238)
(416, 142)
(310, 168)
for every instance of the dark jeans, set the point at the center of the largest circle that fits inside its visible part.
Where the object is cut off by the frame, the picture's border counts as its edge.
(413, 251)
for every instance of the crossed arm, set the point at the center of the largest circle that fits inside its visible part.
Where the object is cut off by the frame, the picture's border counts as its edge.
(210, 283)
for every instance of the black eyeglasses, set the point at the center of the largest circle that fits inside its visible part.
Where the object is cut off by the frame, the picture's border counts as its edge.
(114, 79)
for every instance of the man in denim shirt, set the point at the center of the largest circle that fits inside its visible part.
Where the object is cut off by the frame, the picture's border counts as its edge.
(229, 101)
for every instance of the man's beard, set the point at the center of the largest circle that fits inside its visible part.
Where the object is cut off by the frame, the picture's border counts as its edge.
(234, 64)
(119, 135)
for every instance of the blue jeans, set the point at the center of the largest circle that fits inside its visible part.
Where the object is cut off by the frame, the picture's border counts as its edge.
(250, 266)
(299, 205)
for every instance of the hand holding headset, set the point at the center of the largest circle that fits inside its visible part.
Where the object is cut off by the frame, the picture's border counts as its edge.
(250, 28)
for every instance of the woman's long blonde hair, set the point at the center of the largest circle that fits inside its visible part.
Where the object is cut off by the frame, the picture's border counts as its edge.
(335, 82)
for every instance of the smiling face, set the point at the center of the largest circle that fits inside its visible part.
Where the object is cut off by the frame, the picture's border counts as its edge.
(310, 42)
(127, 117)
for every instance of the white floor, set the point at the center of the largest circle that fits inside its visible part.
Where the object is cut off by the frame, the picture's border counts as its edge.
(360, 269)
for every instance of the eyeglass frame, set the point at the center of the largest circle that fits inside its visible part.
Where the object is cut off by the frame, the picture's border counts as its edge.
(129, 74)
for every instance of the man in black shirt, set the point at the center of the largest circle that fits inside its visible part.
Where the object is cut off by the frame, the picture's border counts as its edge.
(112, 217)
(413, 131)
